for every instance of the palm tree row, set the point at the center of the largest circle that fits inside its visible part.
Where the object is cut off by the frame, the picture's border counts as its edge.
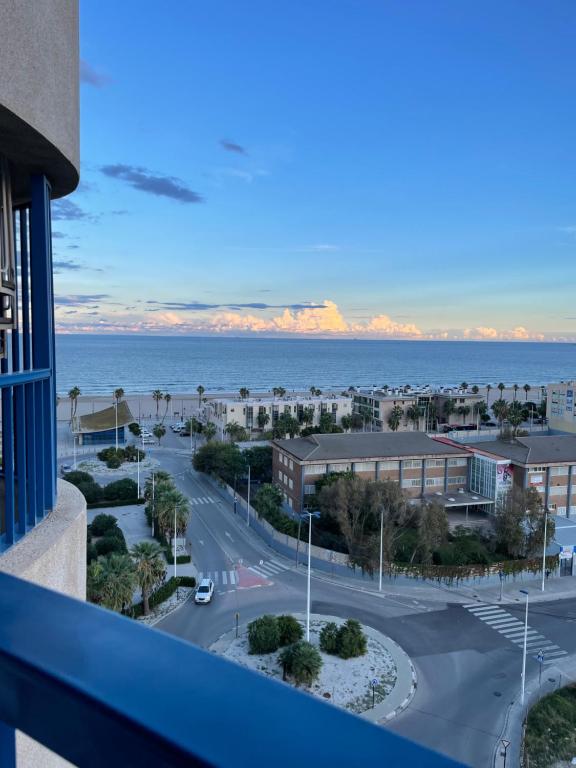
(166, 506)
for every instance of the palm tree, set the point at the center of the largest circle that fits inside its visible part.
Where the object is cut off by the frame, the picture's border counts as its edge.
(172, 503)
(262, 419)
(515, 387)
(244, 393)
(414, 413)
(150, 569)
(209, 431)
(500, 410)
(464, 385)
(395, 417)
(157, 395)
(281, 391)
(475, 389)
(118, 394)
(516, 415)
(488, 388)
(501, 387)
(200, 389)
(449, 408)
(526, 389)
(315, 392)
(308, 415)
(346, 422)
(111, 581)
(74, 394)
(167, 399)
(159, 430)
(463, 410)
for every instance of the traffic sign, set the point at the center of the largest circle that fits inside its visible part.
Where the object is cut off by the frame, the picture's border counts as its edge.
(375, 682)
(540, 656)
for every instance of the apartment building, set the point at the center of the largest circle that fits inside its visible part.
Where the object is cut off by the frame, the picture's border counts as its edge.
(424, 467)
(560, 409)
(546, 463)
(263, 412)
(377, 406)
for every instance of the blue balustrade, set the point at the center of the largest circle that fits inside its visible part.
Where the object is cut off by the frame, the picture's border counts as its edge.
(101, 690)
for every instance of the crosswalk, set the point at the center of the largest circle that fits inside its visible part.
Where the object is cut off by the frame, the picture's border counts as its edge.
(220, 578)
(268, 568)
(512, 629)
(201, 500)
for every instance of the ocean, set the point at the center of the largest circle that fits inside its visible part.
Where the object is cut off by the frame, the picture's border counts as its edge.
(139, 364)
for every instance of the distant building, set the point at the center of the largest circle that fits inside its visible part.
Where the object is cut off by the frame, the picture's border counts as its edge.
(560, 409)
(307, 409)
(546, 463)
(424, 467)
(101, 427)
(376, 406)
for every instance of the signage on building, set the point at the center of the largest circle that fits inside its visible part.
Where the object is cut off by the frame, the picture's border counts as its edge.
(569, 399)
(536, 479)
(566, 553)
(504, 478)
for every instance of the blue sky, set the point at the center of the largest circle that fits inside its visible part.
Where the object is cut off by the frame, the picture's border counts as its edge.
(399, 169)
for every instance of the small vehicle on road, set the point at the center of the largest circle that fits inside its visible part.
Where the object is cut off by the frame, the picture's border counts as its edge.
(204, 592)
(65, 468)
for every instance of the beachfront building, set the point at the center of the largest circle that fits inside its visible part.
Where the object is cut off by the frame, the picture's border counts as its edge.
(263, 412)
(560, 408)
(104, 427)
(421, 409)
(546, 463)
(424, 467)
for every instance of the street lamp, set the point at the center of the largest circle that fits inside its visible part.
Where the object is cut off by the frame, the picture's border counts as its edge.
(248, 499)
(308, 577)
(524, 592)
(116, 414)
(138, 466)
(544, 547)
(381, 548)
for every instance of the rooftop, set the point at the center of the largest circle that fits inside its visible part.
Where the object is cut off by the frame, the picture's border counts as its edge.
(543, 449)
(105, 419)
(367, 445)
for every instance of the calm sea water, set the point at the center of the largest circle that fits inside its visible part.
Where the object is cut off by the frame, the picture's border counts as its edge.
(139, 364)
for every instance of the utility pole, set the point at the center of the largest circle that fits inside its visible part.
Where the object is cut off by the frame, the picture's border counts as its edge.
(248, 504)
(524, 592)
(308, 577)
(381, 548)
(544, 547)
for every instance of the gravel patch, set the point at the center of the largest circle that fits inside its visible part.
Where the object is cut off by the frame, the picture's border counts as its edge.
(162, 610)
(96, 467)
(343, 682)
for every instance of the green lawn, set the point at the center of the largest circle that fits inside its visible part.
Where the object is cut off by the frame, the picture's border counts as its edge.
(551, 730)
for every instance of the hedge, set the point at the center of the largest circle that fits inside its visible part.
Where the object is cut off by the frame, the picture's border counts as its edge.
(180, 559)
(163, 593)
(116, 503)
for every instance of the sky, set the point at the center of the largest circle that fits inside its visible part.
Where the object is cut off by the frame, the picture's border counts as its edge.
(336, 168)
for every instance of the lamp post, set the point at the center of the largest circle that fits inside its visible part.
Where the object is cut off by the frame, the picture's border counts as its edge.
(248, 504)
(544, 547)
(153, 503)
(524, 592)
(175, 576)
(116, 414)
(308, 577)
(138, 469)
(381, 549)
(74, 442)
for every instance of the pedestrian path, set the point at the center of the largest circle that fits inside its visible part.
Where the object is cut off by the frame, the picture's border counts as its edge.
(513, 629)
(201, 500)
(269, 568)
(220, 578)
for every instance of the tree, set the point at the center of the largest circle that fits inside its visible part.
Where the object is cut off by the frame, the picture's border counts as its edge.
(268, 500)
(200, 389)
(488, 388)
(475, 389)
(463, 411)
(351, 641)
(244, 393)
(111, 581)
(449, 408)
(302, 662)
(167, 399)
(159, 430)
(157, 395)
(329, 638)
(516, 415)
(515, 388)
(315, 392)
(326, 423)
(346, 422)
(118, 394)
(395, 417)
(170, 503)
(500, 410)
(260, 460)
(74, 394)
(262, 419)
(286, 425)
(225, 460)
(464, 385)
(209, 431)
(526, 389)
(307, 416)
(280, 391)
(290, 629)
(149, 569)
(414, 413)
(513, 514)
(432, 530)
(236, 433)
(263, 635)
(501, 387)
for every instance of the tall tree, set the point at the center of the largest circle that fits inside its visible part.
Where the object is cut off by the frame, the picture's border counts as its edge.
(515, 415)
(432, 530)
(167, 399)
(501, 387)
(515, 388)
(449, 408)
(488, 388)
(118, 394)
(526, 389)
(262, 419)
(464, 385)
(500, 410)
(209, 430)
(74, 394)
(346, 422)
(111, 581)
(414, 413)
(200, 389)
(244, 393)
(150, 569)
(157, 395)
(286, 425)
(475, 389)
(171, 502)
(463, 411)
(159, 430)
(395, 417)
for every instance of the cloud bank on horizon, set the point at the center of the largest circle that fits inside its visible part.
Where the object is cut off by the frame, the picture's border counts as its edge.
(319, 320)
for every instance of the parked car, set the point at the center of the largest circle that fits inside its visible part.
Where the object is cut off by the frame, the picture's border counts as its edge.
(204, 592)
(65, 468)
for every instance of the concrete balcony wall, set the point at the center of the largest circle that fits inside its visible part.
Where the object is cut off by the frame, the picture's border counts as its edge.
(52, 555)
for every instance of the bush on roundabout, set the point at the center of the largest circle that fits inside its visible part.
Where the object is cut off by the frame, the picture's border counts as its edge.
(302, 662)
(351, 640)
(263, 635)
(102, 524)
(290, 630)
(329, 638)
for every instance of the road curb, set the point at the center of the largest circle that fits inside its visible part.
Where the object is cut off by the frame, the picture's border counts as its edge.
(406, 679)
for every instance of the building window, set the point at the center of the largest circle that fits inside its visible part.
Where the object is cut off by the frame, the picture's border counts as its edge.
(558, 490)
(290, 483)
(364, 466)
(414, 483)
(291, 464)
(385, 465)
(280, 475)
(434, 462)
(290, 502)
(309, 490)
(537, 469)
(558, 471)
(412, 464)
(315, 469)
(457, 462)
(457, 480)
(434, 481)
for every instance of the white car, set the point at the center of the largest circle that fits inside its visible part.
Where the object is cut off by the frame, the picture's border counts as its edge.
(65, 468)
(204, 592)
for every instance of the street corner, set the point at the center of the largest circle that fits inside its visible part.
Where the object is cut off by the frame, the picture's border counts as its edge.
(246, 579)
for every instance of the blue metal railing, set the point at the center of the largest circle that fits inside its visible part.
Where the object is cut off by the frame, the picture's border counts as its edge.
(99, 689)
(27, 383)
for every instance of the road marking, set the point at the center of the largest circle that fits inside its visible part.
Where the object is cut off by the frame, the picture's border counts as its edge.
(224, 577)
(232, 577)
(229, 536)
(491, 620)
(270, 568)
(555, 653)
(509, 630)
(473, 605)
(200, 542)
(201, 500)
(503, 623)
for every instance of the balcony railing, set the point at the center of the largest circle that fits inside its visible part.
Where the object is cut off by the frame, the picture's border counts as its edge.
(101, 690)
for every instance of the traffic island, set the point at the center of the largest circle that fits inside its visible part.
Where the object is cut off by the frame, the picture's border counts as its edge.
(376, 685)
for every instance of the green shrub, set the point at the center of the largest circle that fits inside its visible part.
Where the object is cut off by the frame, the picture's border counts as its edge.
(76, 477)
(290, 630)
(164, 592)
(263, 635)
(131, 453)
(180, 559)
(121, 489)
(302, 662)
(107, 503)
(134, 428)
(351, 640)
(329, 638)
(102, 524)
(113, 462)
(91, 491)
(91, 553)
(109, 453)
(111, 543)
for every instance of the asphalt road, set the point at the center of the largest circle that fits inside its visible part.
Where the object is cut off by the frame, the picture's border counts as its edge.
(468, 672)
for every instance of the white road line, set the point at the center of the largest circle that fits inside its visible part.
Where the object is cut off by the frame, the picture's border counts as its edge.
(258, 571)
(485, 609)
(507, 631)
(206, 500)
(224, 577)
(198, 501)
(474, 605)
(280, 565)
(515, 633)
(496, 619)
(273, 568)
(520, 640)
(500, 623)
(555, 653)
(492, 615)
(215, 579)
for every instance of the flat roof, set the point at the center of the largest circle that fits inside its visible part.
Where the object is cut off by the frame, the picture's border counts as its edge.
(367, 445)
(458, 499)
(542, 449)
(105, 419)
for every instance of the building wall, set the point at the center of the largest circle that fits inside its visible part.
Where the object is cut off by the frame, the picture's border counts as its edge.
(39, 104)
(228, 411)
(560, 409)
(52, 555)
